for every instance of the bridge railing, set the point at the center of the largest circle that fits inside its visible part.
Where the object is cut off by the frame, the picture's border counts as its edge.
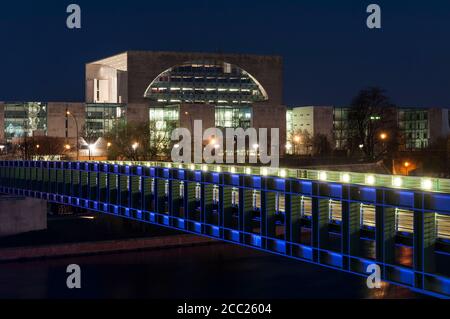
(431, 184)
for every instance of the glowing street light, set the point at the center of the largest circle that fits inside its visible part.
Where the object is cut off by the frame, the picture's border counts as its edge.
(37, 146)
(296, 139)
(67, 147)
(135, 146)
(406, 165)
(383, 136)
(109, 144)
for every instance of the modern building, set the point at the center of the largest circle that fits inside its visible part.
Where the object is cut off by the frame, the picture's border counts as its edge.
(306, 122)
(419, 127)
(223, 90)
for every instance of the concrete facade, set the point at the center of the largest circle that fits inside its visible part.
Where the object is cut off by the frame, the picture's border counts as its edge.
(191, 112)
(138, 69)
(20, 215)
(310, 121)
(438, 123)
(56, 119)
(142, 67)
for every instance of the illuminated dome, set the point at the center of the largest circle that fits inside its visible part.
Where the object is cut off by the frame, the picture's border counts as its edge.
(212, 82)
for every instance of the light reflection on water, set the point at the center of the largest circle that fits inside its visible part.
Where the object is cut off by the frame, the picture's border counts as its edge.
(213, 271)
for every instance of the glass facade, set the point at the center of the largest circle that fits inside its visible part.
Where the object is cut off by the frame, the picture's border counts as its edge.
(101, 118)
(233, 117)
(340, 126)
(229, 88)
(413, 124)
(25, 119)
(163, 117)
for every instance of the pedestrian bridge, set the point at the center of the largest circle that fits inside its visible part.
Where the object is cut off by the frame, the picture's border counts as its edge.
(345, 221)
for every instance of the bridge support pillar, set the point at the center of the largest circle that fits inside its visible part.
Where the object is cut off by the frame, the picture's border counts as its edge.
(174, 198)
(189, 200)
(351, 228)
(293, 217)
(320, 222)
(160, 195)
(424, 246)
(385, 237)
(268, 209)
(245, 209)
(226, 206)
(207, 203)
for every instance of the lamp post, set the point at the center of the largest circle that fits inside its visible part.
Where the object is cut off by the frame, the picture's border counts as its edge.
(91, 147)
(296, 144)
(76, 125)
(406, 165)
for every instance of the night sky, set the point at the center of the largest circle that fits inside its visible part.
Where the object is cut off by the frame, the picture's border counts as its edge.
(329, 53)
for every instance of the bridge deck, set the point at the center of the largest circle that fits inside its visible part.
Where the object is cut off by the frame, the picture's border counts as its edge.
(321, 219)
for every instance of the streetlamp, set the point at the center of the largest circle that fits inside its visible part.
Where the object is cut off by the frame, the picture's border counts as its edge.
(406, 165)
(91, 148)
(383, 136)
(296, 142)
(68, 113)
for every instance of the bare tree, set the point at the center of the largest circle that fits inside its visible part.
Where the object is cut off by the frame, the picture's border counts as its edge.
(300, 141)
(372, 123)
(39, 147)
(321, 145)
(139, 141)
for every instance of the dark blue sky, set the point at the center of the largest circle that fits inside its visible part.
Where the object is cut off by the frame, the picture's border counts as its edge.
(329, 53)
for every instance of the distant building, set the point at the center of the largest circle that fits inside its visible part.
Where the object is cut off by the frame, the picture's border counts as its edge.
(419, 127)
(306, 122)
(222, 90)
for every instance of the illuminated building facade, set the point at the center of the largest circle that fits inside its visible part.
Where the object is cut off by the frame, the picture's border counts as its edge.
(233, 90)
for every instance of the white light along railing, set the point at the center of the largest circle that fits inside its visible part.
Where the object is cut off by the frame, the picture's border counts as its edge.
(368, 179)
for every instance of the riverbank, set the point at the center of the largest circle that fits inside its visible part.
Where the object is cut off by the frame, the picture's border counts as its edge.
(100, 247)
